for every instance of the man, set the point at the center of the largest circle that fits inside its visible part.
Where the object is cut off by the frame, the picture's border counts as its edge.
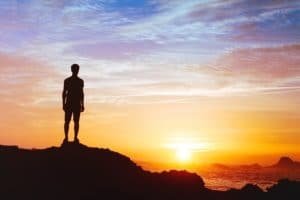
(73, 101)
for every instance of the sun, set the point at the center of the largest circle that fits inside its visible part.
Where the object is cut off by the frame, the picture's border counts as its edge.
(186, 149)
(183, 154)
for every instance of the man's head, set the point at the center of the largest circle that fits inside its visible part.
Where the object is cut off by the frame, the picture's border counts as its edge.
(75, 69)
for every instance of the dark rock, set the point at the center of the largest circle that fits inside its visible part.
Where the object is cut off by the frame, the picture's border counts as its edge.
(75, 171)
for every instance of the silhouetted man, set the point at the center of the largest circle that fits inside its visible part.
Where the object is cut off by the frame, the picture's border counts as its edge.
(73, 101)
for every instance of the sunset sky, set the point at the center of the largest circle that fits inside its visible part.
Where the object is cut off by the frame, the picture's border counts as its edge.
(220, 79)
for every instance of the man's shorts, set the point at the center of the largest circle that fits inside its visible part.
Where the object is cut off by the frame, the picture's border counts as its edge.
(75, 112)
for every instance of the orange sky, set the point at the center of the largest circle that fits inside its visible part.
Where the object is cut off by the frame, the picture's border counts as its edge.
(227, 87)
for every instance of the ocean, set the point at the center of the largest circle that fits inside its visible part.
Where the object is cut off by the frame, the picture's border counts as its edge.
(224, 179)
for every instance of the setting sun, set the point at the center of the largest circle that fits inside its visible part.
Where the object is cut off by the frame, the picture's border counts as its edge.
(185, 147)
(183, 154)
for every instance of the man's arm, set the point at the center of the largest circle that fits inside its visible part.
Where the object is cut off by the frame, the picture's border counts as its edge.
(82, 97)
(64, 96)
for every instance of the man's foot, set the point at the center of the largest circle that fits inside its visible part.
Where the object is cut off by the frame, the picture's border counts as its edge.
(65, 142)
(76, 140)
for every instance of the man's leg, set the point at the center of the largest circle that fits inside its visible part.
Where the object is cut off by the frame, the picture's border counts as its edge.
(76, 117)
(68, 116)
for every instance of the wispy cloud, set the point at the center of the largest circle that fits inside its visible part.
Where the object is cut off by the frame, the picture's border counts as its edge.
(260, 69)
(23, 79)
(219, 20)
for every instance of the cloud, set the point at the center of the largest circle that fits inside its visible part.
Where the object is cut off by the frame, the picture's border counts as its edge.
(266, 69)
(221, 20)
(91, 27)
(22, 78)
(26, 94)
(114, 50)
(264, 64)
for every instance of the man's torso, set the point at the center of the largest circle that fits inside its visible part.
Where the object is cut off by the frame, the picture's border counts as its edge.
(74, 88)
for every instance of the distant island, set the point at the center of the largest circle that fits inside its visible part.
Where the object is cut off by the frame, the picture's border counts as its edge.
(75, 171)
(284, 162)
